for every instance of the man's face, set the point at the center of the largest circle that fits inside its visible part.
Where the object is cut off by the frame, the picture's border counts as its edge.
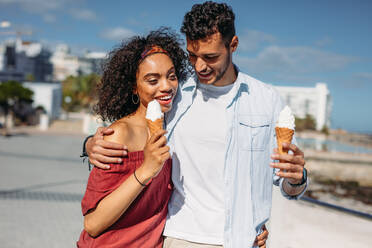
(211, 60)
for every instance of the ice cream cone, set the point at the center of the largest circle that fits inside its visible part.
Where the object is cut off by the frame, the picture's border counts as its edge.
(283, 135)
(154, 125)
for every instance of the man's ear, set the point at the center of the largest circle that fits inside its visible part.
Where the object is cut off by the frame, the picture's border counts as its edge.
(234, 43)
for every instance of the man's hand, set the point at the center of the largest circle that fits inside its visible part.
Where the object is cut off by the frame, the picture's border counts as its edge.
(260, 240)
(101, 152)
(291, 165)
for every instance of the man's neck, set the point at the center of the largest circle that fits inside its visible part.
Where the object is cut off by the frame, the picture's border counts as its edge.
(229, 78)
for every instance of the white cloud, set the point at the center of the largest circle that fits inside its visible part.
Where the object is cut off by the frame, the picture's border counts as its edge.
(48, 9)
(294, 60)
(83, 14)
(364, 75)
(251, 40)
(5, 24)
(26, 31)
(358, 80)
(324, 42)
(37, 6)
(117, 33)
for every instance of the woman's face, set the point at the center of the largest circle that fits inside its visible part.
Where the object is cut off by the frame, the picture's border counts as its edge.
(156, 79)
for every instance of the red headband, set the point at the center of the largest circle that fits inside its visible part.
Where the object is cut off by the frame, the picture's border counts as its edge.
(152, 50)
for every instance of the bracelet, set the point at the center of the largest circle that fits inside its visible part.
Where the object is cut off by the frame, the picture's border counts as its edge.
(84, 153)
(142, 184)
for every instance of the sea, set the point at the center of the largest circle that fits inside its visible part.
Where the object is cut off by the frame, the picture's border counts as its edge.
(331, 146)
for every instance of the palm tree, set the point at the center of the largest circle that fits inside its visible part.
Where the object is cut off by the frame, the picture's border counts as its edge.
(79, 92)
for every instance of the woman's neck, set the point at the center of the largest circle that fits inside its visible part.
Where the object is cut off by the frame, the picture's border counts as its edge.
(141, 111)
(134, 133)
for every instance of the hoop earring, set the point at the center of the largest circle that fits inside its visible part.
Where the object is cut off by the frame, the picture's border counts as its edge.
(135, 101)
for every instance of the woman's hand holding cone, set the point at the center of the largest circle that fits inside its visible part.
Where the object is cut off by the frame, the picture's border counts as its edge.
(156, 152)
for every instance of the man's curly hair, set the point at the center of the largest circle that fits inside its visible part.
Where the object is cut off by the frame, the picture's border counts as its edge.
(209, 18)
(115, 91)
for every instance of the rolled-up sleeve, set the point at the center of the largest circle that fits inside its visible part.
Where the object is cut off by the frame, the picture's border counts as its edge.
(292, 197)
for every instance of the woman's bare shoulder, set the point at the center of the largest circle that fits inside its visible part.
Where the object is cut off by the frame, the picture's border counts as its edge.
(122, 132)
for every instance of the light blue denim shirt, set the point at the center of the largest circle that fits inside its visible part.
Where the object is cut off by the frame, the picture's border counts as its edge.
(248, 178)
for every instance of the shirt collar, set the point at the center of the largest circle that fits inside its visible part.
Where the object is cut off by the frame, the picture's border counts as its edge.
(190, 83)
(240, 85)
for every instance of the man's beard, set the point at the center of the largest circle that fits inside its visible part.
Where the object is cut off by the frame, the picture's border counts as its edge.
(219, 76)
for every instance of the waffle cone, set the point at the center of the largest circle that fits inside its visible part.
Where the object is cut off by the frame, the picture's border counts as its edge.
(283, 135)
(154, 125)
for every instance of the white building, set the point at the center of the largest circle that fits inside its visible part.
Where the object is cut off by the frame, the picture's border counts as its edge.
(47, 95)
(315, 101)
(66, 64)
(19, 58)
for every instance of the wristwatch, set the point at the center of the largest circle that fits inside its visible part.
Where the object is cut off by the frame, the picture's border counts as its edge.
(304, 179)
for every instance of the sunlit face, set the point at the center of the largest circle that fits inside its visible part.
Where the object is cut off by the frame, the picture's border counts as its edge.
(211, 59)
(156, 79)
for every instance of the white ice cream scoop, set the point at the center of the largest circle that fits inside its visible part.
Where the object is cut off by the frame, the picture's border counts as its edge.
(154, 111)
(286, 119)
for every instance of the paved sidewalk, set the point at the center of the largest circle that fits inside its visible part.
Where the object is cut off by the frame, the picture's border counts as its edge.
(296, 224)
(42, 181)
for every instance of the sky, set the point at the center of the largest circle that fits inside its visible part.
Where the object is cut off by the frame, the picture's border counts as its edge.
(286, 43)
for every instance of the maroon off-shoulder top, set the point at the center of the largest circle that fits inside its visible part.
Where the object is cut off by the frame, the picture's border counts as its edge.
(142, 223)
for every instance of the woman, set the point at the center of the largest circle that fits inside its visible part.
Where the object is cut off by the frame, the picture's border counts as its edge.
(126, 206)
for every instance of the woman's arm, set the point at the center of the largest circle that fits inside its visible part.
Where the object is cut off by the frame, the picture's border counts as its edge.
(110, 208)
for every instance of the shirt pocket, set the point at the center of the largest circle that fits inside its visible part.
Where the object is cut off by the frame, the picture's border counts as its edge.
(254, 132)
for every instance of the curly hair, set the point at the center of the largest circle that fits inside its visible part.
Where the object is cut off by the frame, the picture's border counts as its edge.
(115, 91)
(207, 19)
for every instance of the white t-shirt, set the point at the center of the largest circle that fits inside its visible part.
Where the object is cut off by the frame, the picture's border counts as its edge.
(196, 209)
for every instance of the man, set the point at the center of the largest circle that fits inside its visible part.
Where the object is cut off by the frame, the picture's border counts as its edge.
(221, 134)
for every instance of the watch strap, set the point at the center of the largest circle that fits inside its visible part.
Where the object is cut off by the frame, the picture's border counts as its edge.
(304, 179)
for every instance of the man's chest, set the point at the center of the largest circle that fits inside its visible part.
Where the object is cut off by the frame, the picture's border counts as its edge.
(204, 122)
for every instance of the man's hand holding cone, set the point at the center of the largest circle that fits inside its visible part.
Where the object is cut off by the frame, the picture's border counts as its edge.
(291, 165)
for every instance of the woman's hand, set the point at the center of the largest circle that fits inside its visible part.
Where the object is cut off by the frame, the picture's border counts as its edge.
(156, 152)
